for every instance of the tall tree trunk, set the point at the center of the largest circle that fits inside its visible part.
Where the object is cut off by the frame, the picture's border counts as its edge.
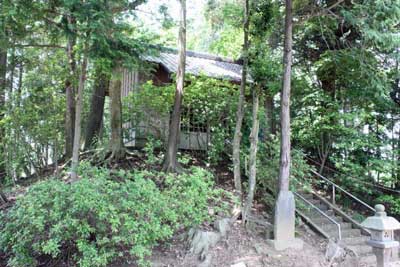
(284, 168)
(3, 86)
(285, 206)
(270, 128)
(116, 142)
(170, 162)
(70, 99)
(96, 108)
(240, 109)
(253, 155)
(79, 103)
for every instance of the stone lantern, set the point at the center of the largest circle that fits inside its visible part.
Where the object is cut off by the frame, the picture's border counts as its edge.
(382, 240)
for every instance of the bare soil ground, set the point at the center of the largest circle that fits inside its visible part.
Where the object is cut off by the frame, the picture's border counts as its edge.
(245, 246)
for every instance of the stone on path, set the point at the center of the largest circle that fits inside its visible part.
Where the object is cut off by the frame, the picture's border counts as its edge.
(240, 264)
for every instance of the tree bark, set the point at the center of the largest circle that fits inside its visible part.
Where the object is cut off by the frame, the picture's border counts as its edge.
(70, 99)
(240, 109)
(170, 162)
(3, 86)
(79, 101)
(270, 128)
(116, 143)
(253, 155)
(3, 197)
(284, 169)
(96, 109)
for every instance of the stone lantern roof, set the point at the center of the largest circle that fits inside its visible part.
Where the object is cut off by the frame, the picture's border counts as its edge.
(380, 221)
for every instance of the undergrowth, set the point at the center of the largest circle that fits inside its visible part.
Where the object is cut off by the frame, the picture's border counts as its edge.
(104, 216)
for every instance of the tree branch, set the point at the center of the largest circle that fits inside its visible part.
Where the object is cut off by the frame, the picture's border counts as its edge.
(324, 11)
(41, 45)
(131, 6)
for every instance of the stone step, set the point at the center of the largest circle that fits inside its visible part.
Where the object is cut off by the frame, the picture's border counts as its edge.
(345, 233)
(360, 240)
(307, 196)
(361, 250)
(322, 207)
(330, 226)
(314, 213)
(315, 201)
(321, 220)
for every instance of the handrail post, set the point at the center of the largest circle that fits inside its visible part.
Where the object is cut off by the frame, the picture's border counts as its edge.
(333, 194)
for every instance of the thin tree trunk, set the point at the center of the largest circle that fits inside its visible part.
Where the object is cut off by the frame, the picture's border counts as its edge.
(3, 197)
(253, 155)
(3, 86)
(269, 116)
(170, 162)
(240, 109)
(96, 109)
(55, 155)
(116, 143)
(79, 103)
(284, 169)
(70, 99)
(19, 88)
(8, 109)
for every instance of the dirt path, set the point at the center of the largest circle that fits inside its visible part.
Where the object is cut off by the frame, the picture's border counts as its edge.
(246, 248)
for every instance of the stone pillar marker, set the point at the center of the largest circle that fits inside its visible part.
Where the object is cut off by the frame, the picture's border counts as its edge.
(382, 241)
(284, 223)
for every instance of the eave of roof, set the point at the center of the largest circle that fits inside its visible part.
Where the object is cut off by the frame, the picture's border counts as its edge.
(200, 64)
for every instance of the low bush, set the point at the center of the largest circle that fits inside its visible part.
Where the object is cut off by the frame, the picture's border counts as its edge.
(103, 216)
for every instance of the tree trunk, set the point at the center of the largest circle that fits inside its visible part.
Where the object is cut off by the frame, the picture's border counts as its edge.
(3, 198)
(170, 162)
(270, 128)
(253, 155)
(3, 86)
(240, 109)
(70, 99)
(116, 143)
(284, 168)
(96, 109)
(77, 133)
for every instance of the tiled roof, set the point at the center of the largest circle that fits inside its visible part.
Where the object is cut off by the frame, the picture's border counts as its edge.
(200, 64)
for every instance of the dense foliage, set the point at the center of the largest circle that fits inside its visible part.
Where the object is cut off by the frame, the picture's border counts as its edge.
(104, 215)
(209, 103)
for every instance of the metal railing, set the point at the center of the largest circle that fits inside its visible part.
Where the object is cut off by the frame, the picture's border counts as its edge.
(322, 213)
(335, 186)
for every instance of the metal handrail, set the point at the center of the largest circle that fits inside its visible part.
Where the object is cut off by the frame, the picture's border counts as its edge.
(323, 213)
(343, 190)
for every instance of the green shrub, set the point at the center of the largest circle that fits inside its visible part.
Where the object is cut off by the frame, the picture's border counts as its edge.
(268, 167)
(100, 218)
(151, 145)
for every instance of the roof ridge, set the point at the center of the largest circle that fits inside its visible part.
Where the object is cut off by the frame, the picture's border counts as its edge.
(202, 55)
